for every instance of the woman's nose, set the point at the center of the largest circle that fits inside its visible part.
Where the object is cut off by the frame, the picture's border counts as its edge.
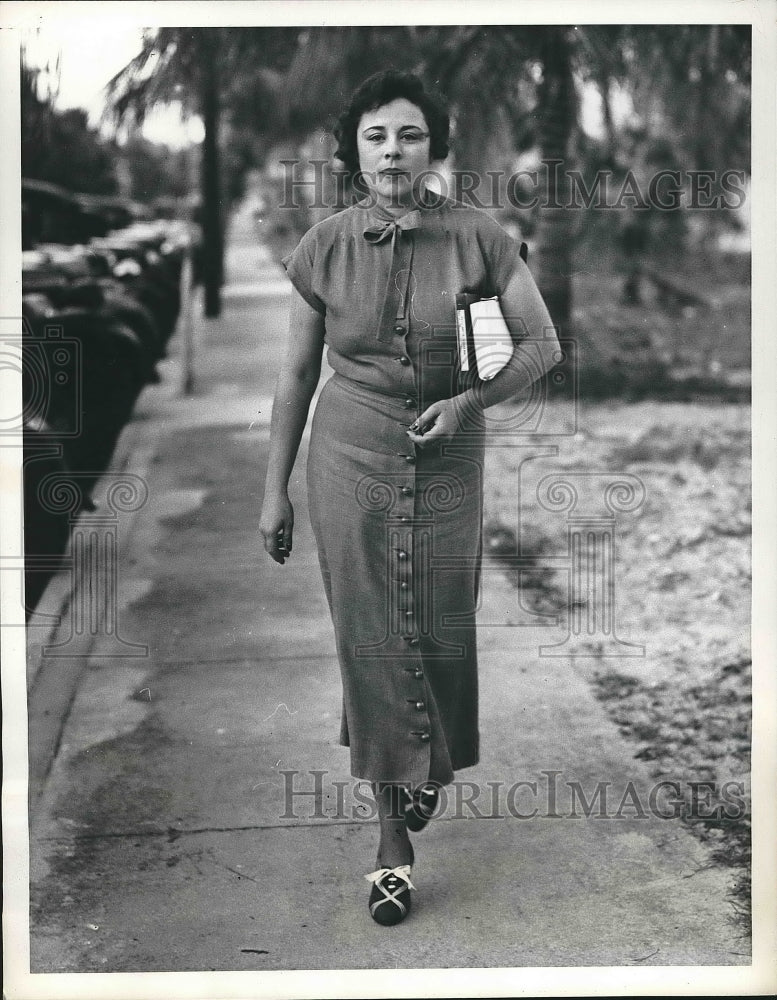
(392, 147)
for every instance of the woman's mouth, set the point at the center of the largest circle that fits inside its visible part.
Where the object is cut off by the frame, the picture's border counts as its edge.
(393, 172)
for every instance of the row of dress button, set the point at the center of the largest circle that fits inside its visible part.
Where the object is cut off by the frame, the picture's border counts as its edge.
(417, 703)
(409, 404)
(407, 491)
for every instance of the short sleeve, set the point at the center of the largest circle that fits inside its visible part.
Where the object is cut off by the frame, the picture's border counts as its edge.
(503, 256)
(299, 266)
(522, 305)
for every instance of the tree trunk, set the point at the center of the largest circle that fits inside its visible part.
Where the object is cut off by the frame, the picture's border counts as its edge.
(212, 234)
(604, 82)
(557, 117)
(708, 97)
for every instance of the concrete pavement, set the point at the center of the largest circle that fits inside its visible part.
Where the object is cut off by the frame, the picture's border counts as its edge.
(169, 834)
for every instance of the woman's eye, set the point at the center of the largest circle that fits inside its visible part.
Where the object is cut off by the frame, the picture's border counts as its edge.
(375, 137)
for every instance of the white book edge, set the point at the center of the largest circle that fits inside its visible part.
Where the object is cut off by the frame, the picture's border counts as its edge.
(461, 332)
(491, 337)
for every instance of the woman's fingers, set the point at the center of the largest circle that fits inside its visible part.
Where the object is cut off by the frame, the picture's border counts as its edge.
(271, 546)
(436, 423)
(277, 532)
(283, 542)
(278, 544)
(423, 425)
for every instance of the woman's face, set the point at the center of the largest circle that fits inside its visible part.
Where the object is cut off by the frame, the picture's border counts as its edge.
(393, 145)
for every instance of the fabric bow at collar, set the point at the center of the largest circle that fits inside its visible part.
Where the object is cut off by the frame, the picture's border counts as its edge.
(384, 229)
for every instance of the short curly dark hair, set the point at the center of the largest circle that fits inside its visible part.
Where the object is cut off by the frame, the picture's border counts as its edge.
(382, 88)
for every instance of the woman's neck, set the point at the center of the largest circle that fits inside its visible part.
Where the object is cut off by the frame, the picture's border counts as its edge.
(396, 208)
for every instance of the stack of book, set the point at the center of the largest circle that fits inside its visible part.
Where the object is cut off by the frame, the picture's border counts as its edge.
(484, 342)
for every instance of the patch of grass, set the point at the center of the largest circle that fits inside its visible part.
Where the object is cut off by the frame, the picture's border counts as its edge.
(653, 351)
(700, 733)
(655, 445)
(540, 591)
(683, 589)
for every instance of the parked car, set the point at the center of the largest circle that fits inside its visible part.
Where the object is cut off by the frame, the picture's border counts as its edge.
(100, 299)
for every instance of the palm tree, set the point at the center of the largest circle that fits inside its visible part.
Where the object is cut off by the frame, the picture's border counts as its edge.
(491, 75)
(556, 122)
(206, 70)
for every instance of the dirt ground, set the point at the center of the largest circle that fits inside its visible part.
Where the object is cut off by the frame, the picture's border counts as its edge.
(682, 589)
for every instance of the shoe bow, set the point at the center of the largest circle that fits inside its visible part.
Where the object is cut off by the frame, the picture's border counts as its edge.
(401, 872)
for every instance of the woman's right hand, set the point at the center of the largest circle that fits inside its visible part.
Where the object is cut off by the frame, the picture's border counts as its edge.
(276, 524)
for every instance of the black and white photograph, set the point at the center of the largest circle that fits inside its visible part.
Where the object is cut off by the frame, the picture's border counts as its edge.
(388, 499)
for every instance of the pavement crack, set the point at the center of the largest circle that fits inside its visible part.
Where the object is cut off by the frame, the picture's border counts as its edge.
(123, 835)
(226, 660)
(234, 871)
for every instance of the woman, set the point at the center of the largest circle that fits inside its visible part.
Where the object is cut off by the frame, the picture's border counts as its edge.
(396, 453)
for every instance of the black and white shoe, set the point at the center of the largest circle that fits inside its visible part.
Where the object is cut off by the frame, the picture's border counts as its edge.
(421, 806)
(390, 896)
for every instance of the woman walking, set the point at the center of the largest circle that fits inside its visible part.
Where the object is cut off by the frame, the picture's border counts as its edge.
(396, 453)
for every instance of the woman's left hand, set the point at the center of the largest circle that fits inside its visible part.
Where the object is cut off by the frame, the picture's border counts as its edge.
(439, 422)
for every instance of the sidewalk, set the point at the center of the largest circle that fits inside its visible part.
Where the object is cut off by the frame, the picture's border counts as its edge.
(166, 838)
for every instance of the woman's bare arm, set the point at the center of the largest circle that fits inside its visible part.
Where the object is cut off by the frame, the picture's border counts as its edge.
(294, 390)
(536, 349)
(535, 353)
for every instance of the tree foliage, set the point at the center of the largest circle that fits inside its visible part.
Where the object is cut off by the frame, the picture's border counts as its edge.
(689, 85)
(511, 88)
(172, 61)
(59, 146)
(154, 170)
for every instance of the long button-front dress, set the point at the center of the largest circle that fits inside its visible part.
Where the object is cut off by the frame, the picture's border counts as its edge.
(398, 527)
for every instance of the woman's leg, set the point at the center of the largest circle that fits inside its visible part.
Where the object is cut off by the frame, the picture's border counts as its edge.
(395, 848)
